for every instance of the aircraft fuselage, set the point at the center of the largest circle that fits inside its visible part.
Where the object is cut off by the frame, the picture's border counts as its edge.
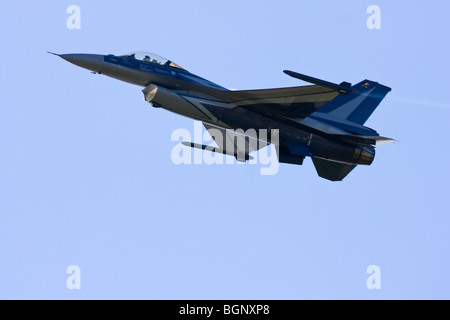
(173, 88)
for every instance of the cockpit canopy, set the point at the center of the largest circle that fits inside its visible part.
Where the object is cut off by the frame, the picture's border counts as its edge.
(152, 58)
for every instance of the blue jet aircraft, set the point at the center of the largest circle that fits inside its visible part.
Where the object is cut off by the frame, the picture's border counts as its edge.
(324, 121)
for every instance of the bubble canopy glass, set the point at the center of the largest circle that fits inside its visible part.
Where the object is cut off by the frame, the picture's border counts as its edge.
(152, 58)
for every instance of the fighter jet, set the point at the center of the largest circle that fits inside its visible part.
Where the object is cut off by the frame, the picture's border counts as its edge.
(324, 121)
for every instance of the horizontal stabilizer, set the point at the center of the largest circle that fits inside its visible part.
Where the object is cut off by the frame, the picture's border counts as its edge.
(343, 88)
(365, 140)
(330, 170)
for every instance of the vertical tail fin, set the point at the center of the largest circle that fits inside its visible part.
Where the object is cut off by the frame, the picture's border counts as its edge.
(359, 104)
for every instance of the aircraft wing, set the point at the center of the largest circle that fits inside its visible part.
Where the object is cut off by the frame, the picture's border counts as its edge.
(234, 143)
(294, 102)
(225, 138)
(228, 142)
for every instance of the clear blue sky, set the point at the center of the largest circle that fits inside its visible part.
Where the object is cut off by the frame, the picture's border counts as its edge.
(86, 177)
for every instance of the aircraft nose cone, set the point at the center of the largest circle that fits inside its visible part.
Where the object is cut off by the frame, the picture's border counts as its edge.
(91, 62)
